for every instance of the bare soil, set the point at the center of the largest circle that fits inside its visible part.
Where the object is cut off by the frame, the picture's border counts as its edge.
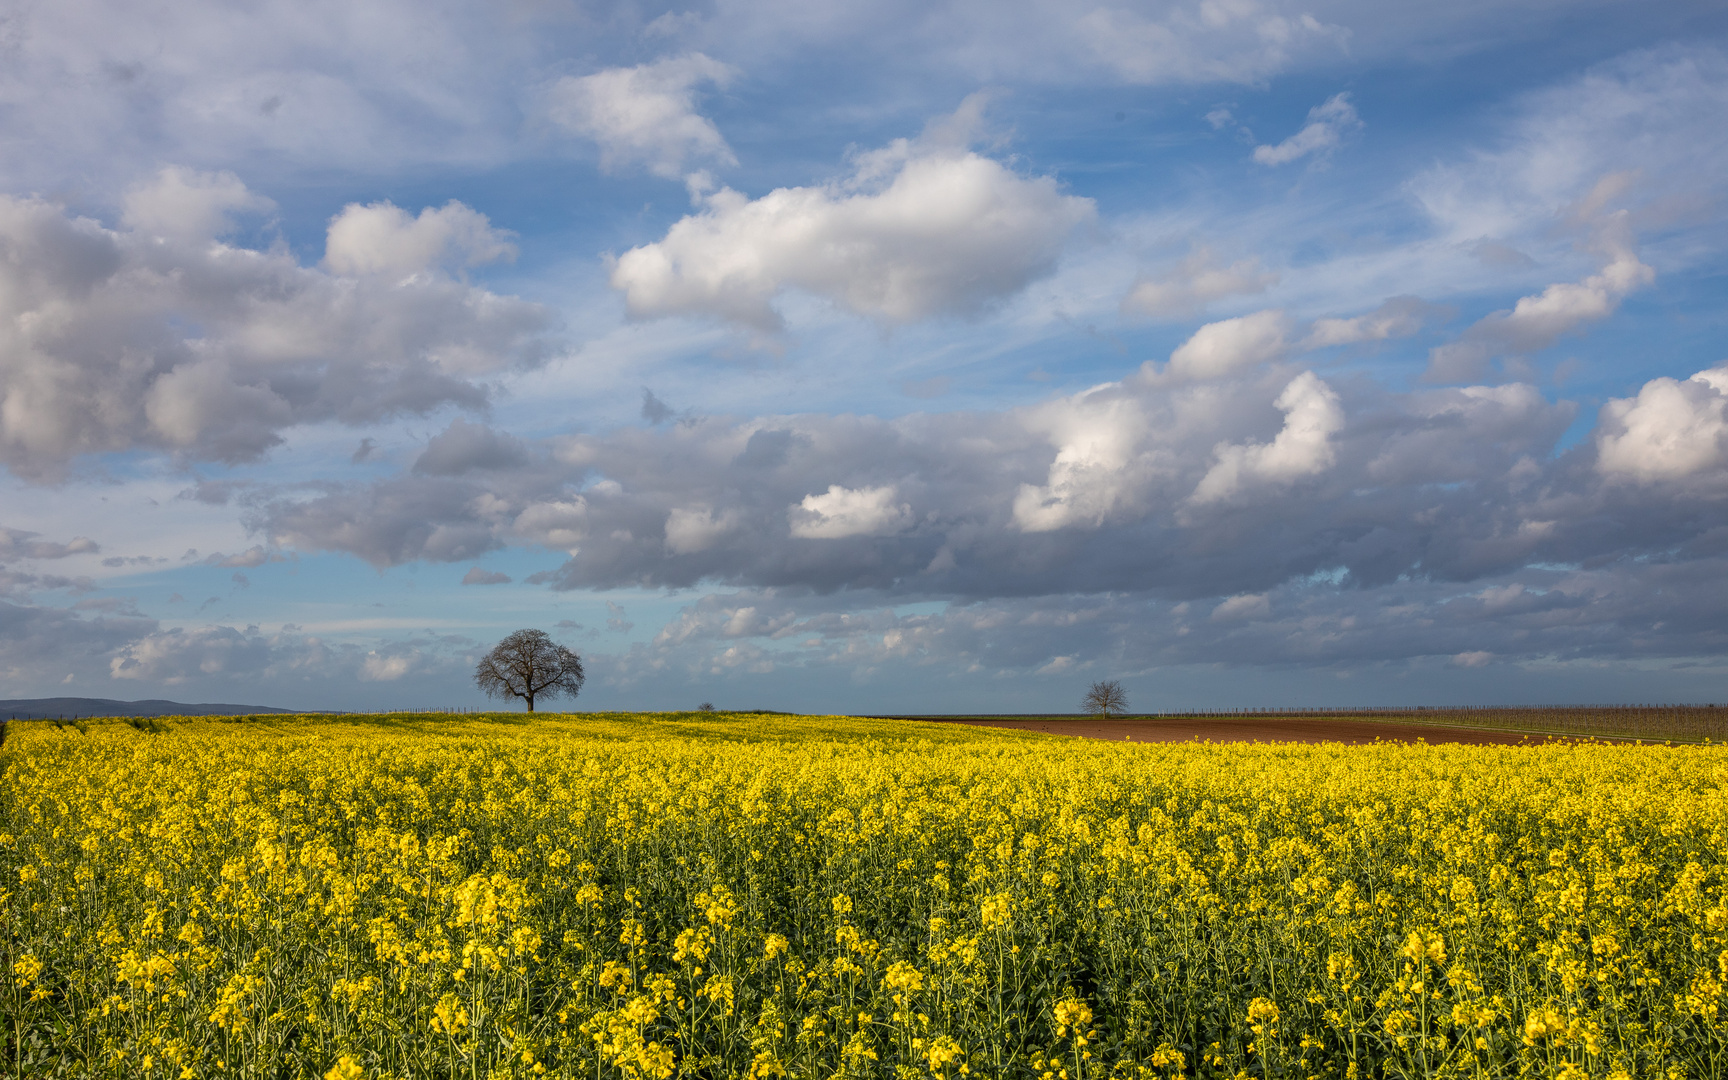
(1249, 729)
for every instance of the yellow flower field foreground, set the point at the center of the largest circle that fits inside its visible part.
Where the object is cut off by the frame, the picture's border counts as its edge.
(755, 896)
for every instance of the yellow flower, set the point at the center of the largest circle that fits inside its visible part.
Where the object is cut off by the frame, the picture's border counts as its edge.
(346, 1068)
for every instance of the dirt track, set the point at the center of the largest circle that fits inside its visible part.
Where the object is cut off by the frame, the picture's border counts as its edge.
(1252, 729)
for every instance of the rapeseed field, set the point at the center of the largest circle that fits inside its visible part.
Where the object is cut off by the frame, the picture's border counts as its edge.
(749, 896)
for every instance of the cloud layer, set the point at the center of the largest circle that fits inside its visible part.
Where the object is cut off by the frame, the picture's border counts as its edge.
(645, 115)
(1242, 480)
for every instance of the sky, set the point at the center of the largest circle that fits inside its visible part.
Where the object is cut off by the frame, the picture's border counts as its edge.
(895, 357)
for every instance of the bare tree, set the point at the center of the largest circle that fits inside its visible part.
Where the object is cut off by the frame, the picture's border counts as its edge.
(1105, 698)
(529, 664)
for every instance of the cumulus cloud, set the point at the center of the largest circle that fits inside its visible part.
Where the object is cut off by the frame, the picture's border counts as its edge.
(1461, 435)
(382, 667)
(1327, 125)
(921, 228)
(1304, 447)
(1328, 497)
(1231, 485)
(693, 529)
(841, 512)
(1195, 282)
(465, 446)
(1226, 347)
(1099, 436)
(1538, 321)
(1242, 608)
(645, 115)
(175, 655)
(382, 238)
(189, 206)
(114, 340)
(1672, 431)
(477, 576)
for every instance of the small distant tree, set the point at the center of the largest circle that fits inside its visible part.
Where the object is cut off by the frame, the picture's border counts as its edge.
(529, 664)
(706, 706)
(1105, 698)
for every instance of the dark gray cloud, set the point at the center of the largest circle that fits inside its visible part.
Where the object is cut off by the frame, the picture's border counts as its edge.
(463, 447)
(1534, 619)
(1338, 499)
(20, 544)
(45, 641)
(654, 410)
(396, 521)
(1097, 492)
(105, 642)
(19, 585)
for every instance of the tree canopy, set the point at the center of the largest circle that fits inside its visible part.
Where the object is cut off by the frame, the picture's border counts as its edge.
(1105, 698)
(529, 664)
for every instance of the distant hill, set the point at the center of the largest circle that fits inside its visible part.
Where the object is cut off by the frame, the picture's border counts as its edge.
(47, 708)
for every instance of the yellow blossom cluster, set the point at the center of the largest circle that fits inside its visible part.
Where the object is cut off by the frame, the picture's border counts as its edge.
(648, 897)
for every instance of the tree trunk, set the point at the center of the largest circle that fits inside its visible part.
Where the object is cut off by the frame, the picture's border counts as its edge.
(530, 697)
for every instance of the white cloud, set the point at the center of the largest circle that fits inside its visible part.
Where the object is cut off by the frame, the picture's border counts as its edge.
(1226, 347)
(842, 512)
(1537, 321)
(381, 668)
(189, 206)
(693, 529)
(114, 340)
(1328, 123)
(1303, 447)
(1098, 436)
(1244, 608)
(645, 115)
(382, 238)
(560, 523)
(1671, 431)
(1400, 316)
(1195, 282)
(922, 228)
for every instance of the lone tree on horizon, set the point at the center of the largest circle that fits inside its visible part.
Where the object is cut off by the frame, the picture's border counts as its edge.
(529, 664)
(1105, 698)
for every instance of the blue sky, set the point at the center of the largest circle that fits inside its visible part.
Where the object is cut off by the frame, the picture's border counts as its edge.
(897, 357)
